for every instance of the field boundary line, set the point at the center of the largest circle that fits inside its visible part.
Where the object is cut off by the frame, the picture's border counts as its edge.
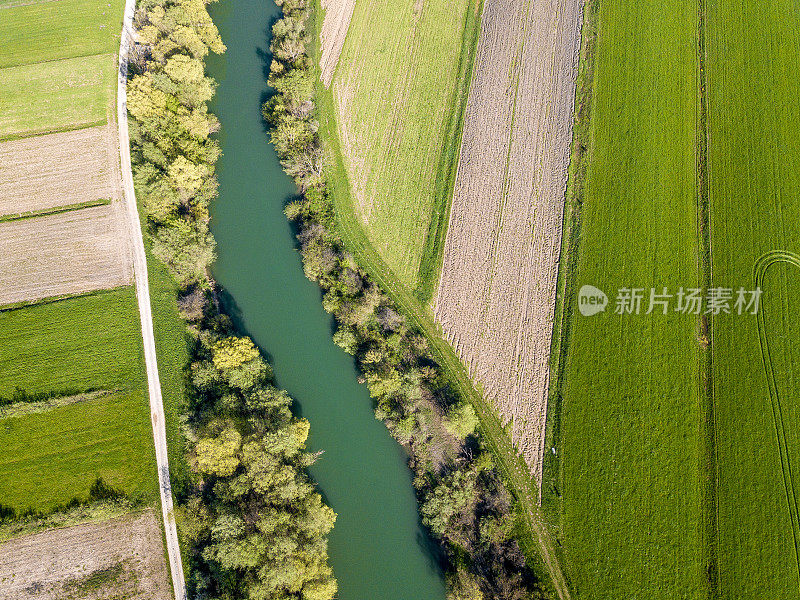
(55, 210)
(59, 298)
(553, 463)
(27, 3)
(145, 313)
(52, 60)
(13, 137)
(709, 475)
(430, 264)
(759, 270)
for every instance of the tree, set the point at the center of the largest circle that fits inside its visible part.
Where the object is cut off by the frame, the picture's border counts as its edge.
(186, 249)
(144, 101)
(187, 176)
(461, 420)
(232, 352)
(219, 455)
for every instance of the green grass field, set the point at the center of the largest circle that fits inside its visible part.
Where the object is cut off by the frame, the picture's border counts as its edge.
(58, 72)
(400, 90)
(56, 95)
(631, 444)
(172, 349)
(753, 90)
(59, 29)
(88, 342)
(50, 457)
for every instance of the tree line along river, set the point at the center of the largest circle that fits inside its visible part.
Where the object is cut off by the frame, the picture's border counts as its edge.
(378, 548)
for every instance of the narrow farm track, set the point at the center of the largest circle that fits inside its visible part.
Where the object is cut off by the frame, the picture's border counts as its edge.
(145, 314)
(760, 269)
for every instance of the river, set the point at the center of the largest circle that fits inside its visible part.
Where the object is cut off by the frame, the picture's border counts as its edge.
(379, 550)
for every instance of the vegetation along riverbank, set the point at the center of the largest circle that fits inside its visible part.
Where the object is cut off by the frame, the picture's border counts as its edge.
(462, 497)
(251, 522)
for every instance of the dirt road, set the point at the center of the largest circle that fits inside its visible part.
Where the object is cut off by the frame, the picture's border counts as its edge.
(143, 296)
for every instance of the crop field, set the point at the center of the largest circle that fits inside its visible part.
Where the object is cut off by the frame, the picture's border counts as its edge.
(59, 169)
(90, 342)
(631, 455)
(334, 31)
(497, 288)
(52, 456)
(44, 31)
(67, 253)
(56, 96)
(398, 89)
(754, 194)
(118, 558)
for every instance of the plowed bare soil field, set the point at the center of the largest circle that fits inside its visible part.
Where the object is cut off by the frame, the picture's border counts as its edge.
(58, 170)
(119, 558)
(334, 31)
(497, 289)
(67, 253)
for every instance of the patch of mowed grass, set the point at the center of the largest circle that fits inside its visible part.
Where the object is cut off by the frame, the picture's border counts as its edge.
(84, 343)
(400, 89)
(45, 31)
(754, 194)
(173, 352)
(56, 96)
(631, 446)
(51, 457)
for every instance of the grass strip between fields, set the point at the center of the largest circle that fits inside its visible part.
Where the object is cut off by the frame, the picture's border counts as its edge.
(55, 210)
(708, 467)
(24, 408)
(552, 475)
(430, 264)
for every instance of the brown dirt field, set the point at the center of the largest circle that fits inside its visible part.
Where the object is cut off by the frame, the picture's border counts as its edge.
(119, 558)
(58, 169)
(334, 31)
(72, 252)
(497, 291)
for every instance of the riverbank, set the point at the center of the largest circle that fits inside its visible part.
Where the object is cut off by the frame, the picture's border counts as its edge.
(415, 396)
(246, 451)
(378, 549)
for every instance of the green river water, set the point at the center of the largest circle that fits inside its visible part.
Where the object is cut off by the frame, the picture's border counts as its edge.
(379, 551)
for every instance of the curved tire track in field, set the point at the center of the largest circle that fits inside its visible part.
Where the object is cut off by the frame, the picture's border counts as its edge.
(145, 314)
(760, 269)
